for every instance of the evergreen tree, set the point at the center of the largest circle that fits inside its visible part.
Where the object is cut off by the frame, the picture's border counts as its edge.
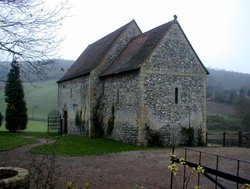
(16, 112)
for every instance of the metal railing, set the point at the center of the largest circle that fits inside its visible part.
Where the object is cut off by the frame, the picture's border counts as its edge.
(215, 174)
(240, 139)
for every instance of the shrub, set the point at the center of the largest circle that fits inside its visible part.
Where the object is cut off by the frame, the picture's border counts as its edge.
(188, 136)
(200, 136)
(152, 137)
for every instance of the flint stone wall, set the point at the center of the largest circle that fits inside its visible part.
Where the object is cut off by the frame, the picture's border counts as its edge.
(121, 92)
(174, 66)
(96, 84)
(73, 98)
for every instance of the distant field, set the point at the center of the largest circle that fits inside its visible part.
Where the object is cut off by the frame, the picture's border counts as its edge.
(214, 108)
(41, 97)
(33, 126)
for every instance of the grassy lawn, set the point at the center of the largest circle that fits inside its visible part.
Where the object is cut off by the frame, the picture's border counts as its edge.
(36, 129)
(78, 145)
(64, 145)
(13, 140)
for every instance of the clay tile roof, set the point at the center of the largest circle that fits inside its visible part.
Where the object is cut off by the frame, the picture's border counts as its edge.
(92, 55)
(137, 50)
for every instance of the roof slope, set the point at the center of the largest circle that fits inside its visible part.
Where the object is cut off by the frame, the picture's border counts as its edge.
(137, 50)
(92, 55)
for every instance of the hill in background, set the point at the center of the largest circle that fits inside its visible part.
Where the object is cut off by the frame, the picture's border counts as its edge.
(54, 72)
(228, 80)
(41, 96)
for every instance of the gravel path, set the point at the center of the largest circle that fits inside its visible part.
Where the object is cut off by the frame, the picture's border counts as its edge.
(121, 170)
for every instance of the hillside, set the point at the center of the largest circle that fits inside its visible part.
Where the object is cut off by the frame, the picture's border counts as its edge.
(54, 72)
(41, 97)
(228, 80)
(215, 108)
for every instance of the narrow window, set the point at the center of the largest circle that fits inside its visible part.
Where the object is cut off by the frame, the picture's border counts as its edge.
(117, 96)
(176, 95)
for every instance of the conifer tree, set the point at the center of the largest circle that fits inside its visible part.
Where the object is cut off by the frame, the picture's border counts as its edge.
(16, 112)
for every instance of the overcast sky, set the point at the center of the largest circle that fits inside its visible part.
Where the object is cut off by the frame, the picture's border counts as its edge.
(219, 30)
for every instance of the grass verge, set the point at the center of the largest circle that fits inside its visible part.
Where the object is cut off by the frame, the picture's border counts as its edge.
(13, 140)
(219, 124)
(78, 146)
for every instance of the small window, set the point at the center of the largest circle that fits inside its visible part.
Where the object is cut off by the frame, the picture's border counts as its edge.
(176, 95)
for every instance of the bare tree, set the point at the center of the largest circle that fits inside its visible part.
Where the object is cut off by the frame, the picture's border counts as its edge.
(29, 32)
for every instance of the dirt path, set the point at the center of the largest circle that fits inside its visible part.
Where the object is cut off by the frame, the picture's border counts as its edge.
(117, 170)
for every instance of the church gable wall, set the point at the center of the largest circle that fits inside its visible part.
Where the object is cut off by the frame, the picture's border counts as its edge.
(176, 53)
(175, 88)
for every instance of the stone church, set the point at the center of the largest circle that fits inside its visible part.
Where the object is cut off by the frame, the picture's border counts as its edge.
(129, 82)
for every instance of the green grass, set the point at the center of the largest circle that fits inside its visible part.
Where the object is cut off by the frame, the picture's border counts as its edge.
(13, 140)
(35, 129)
(78, 146)
(33, 126)
(41, 97)
(219, 124)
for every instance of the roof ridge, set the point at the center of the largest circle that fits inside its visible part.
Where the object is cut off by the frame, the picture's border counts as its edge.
(93, 54)
(153, 37)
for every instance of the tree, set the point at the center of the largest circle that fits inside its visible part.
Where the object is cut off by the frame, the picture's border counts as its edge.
(16, 112)
(28, 30)
(242, 109)
(1, 119)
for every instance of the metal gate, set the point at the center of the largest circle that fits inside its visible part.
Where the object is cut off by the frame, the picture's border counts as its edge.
(54, 122)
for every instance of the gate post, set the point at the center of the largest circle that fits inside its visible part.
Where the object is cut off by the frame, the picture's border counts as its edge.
(206, 139)
(240, 139)
(224, 139)
(61, 126)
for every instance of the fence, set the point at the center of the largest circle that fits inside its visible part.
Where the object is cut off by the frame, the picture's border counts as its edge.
(219, 171)
(240, 139)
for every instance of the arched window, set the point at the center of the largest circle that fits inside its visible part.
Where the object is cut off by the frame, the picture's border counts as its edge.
(176, 95)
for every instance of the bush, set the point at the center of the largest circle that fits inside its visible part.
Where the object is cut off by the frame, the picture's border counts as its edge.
(152, 137)
(200, 136)
(188, 134)
(1, 119)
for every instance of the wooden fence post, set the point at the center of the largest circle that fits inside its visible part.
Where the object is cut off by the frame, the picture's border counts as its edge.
(224, 139)
(206, 139)
(240, 139)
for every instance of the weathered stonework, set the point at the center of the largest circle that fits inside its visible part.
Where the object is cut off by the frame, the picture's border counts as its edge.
(73, 98)
(174, 66)
(121, 92)
(165, 90)
(82, 94)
